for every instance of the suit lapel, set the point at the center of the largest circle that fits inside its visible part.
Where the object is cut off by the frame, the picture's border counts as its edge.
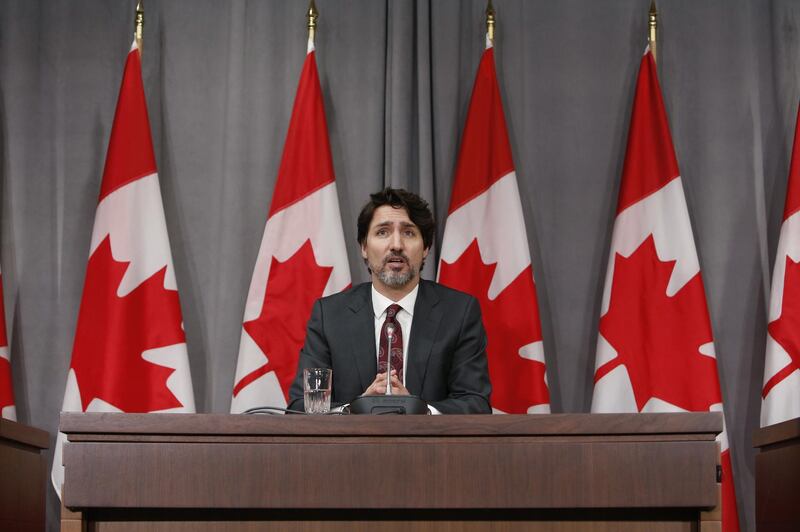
(361, 331)
(427, 316)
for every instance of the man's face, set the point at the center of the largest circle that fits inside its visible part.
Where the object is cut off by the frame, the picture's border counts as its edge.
(394, 250)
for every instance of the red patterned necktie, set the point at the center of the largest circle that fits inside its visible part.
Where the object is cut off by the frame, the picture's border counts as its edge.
(397, 342)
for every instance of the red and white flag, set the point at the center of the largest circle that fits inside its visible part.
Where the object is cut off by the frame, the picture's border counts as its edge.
(655, 350)
(302, 255)
(781, 391)
(129, 353)
(7, 407)
(485, 251)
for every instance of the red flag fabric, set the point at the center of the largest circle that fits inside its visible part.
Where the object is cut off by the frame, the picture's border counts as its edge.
(302, 255)
(7, 406)
(655, 350)
(781, 390)
(129, 353)
(485, 251)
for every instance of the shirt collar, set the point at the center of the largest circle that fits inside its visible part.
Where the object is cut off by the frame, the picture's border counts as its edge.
(380, 302)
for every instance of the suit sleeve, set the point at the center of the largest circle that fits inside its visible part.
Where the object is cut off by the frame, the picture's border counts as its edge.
(468, 380)
(314, 354)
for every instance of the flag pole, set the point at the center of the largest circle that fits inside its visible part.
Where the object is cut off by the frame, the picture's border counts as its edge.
(652, 24)
(490, 21)
(312, 16)
(137, 33)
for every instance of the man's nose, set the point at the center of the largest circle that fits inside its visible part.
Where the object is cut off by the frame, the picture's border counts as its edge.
(396, 241)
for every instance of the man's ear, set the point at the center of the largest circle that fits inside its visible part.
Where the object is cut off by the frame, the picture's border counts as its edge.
(364, 249)
(425, 253)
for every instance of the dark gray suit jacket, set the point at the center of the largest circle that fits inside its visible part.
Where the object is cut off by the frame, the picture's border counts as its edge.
(446, 366)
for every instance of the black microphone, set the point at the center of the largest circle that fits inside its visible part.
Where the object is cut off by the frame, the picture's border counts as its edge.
(388, 403)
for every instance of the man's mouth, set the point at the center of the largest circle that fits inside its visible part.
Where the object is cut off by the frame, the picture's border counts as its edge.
(395, 261)
(396, 270)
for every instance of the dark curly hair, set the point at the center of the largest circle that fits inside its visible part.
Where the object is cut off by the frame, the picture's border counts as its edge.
(417, 208)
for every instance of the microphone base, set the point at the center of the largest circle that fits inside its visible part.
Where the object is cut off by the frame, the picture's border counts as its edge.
(389, 404)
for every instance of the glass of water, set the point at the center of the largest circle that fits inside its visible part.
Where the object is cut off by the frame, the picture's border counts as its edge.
(317, 390)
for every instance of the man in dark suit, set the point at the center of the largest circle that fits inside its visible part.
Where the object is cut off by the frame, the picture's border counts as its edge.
(432, 334)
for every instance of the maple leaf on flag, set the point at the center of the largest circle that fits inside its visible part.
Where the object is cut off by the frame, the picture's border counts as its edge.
(784, 329)
(113, 332)
(511, 321)
(279, 331)
(658, 337)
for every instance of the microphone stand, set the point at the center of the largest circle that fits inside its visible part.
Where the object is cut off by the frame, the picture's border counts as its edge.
(388, 403)
(389, 338)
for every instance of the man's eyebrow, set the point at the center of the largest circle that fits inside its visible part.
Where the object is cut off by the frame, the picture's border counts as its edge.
(389, 223)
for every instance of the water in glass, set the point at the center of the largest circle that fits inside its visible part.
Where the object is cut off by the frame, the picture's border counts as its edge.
(317, 401)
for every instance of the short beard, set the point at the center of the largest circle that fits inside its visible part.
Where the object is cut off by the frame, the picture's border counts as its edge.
(395, 279)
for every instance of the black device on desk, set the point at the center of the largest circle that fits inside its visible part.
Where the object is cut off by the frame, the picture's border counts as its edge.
(388, 403)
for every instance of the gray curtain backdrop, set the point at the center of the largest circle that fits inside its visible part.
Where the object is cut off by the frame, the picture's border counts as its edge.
(220, 80)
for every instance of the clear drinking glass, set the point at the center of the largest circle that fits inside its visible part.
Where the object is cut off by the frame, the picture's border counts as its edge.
(317, 390)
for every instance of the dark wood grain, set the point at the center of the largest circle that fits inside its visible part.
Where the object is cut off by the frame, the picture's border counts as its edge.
(24, 434)
(549, 425)
(778, 476)
(421, 475)
(22, 476)
(414, 464)
(779, 433)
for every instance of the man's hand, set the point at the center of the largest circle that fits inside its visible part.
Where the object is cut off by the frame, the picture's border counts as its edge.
(378, 386)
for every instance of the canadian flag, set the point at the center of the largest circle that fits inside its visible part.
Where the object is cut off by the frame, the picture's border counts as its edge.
(129, 353)
(781, 391)
(655, 350)
(485, 251)
(302, 255)
(7, 408)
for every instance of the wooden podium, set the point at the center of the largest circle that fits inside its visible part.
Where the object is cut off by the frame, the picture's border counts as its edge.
(23, 476)
(778, 476)
(654, 472)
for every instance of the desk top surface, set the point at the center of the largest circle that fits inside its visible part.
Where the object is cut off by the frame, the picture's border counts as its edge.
(704, 425)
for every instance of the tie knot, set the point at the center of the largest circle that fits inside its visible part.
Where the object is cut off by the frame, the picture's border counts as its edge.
(392, 311)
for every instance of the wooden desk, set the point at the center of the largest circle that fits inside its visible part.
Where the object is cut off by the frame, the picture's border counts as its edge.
(598, 472)
(23, 476)
(778, 477)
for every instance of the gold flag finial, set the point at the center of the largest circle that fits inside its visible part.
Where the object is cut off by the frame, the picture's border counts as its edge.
(490, 21)
(312, 16)
(652, 24)
(137, 33)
